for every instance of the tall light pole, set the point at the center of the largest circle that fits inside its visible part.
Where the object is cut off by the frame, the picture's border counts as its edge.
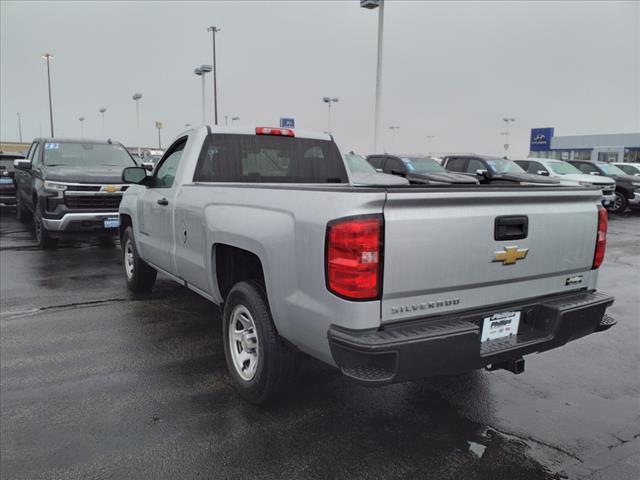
(393, 129)
(201, 71)
(48, 57)
(213, 29)
(159, 127)
(19, 127)
(429, 137)
(102, 110)
(137, 97)
(379, 4)
(508, 121)
(329, 101)
(81, 127)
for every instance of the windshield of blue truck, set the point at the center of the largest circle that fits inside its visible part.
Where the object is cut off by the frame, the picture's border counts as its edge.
(86, 154)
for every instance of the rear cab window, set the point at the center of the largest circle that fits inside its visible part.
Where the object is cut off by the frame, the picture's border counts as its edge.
(269, 159)
(456, 164)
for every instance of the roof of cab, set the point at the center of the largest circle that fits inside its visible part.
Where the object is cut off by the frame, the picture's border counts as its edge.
(74, 140)
(251, 130)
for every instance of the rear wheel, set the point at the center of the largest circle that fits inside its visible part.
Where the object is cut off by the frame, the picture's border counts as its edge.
(259, 362)
(22, 214)
(140, 277)
(43, 237)
(619, 203)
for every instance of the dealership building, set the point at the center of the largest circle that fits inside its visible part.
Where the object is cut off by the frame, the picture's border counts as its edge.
(617, 147)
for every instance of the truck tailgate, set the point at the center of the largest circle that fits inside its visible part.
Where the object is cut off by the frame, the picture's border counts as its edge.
(441, 255)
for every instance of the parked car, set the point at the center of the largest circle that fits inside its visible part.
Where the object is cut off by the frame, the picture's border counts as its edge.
(71, 188)
(627, 192)
(386, 283)
(361, 173)
(493, 170)
(629, 168)
(7, 178)
(417, 169)
(567, 174)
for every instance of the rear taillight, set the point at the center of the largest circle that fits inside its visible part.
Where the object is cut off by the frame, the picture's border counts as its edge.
(354, 257)
(601, 239)
(283, 132)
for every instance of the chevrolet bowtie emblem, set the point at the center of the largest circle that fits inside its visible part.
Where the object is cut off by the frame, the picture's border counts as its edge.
(110, 188)
(510, 255)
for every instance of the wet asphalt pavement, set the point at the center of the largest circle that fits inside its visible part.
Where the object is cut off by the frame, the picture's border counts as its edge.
(97, 383)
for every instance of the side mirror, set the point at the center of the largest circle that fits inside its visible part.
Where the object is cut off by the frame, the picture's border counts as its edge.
(481, 172)
(22, 164)
(395, 171)
(543, 172)
(379, 170)
(134, 175)
(148, 166)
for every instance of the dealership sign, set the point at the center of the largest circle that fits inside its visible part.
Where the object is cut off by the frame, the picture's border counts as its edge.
(540, 139)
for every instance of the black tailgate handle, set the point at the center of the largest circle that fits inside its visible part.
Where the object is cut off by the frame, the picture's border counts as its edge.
(511, 227)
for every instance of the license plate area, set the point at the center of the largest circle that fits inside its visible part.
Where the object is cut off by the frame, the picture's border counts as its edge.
(500, 325)
(111, 222)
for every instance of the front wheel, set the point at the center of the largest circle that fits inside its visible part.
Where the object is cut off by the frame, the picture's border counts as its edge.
(259, 362)
(44, 239)
(140, 277)
(619, 203)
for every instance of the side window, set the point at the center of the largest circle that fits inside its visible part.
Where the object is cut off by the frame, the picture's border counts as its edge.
(535, 167)
(166, 172)
(586, 167)
(35, 159)
(394, 165)
(456, 164)
(30, 152)
(523, 164)
(377, 162)
(475, 165)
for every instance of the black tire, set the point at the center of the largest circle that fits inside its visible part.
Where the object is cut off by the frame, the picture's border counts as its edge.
(44, 239)
(139, 276)
(22, 214)
(619, 203)
(275, 360)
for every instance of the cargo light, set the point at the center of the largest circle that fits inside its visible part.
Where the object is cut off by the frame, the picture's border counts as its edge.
(601, 239)
(283, 132)
(353, 256)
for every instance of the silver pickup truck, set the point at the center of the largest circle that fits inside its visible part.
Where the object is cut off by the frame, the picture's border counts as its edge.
(387, 283)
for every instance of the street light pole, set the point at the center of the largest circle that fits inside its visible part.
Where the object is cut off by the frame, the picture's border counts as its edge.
(159, 127)
(393, 129)
(81, 127)
(102, 110)
(201, 71)
(213, 29)
(329, 101)
(137, 97)
(48, 57)
(371, 4)
(508, 121)
(19, 127)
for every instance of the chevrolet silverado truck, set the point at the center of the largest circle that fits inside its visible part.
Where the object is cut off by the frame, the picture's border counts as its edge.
(71, 188)
(386, 283)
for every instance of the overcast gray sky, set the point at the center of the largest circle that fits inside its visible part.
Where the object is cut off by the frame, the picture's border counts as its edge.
(450, 69)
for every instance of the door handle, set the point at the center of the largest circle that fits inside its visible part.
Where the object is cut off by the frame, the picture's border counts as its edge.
(163, 202)
(511, 227)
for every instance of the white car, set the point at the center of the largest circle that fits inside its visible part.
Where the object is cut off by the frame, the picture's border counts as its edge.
(569, 175)
(629, 168)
